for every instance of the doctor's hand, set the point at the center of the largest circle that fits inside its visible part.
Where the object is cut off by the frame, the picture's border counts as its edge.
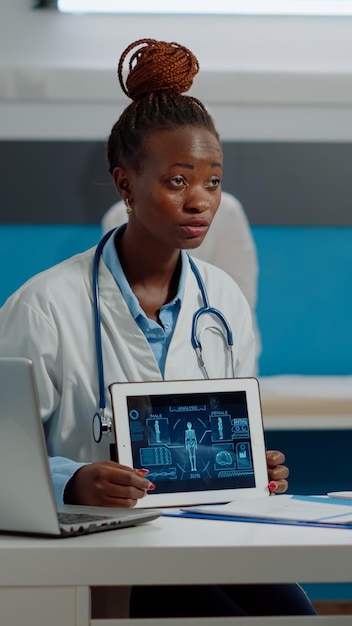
(107, 484)
(277, 472)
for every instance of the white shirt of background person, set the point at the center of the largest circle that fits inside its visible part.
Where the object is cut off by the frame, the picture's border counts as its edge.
(229, 245)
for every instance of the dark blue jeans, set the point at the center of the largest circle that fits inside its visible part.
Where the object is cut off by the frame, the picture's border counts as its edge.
(219, 600)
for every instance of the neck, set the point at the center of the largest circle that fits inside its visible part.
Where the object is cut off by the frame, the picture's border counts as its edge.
(153, 278)
(146, 264)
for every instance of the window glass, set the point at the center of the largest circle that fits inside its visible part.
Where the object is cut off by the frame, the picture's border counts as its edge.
(220, 7)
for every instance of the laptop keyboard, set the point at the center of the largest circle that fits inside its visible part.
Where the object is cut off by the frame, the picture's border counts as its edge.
(80, 518)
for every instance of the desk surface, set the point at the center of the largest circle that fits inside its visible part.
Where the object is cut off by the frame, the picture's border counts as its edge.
(306, 402)
(172, 550)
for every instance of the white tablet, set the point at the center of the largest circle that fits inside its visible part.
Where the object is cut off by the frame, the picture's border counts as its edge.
(201, 440)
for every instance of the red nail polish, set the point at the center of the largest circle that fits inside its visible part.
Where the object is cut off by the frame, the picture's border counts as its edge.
(142, 471)
(151, 487)
(272, 485)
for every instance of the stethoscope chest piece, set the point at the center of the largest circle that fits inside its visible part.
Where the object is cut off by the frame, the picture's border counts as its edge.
(101, 425)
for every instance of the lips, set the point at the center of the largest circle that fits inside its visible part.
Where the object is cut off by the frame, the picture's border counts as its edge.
(195, 228)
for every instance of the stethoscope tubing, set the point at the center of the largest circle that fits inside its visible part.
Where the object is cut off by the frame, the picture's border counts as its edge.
(102, 424)
(97, 319)
(206, 308)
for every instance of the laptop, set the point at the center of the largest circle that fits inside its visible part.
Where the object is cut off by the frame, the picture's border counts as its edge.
(201, 440)
(26, 491)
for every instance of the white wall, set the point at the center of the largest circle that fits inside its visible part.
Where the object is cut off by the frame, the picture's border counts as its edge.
(265, 78)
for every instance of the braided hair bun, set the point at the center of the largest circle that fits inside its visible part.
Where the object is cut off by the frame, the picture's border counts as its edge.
(157, 66)
(158, 75)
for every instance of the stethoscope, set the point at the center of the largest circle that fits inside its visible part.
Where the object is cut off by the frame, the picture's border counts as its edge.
(102, 424)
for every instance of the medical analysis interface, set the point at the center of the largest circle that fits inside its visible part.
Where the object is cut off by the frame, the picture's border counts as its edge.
(192, 442)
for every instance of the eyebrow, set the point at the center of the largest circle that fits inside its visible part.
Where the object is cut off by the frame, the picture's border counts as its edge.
(191, 167)
(188, 165)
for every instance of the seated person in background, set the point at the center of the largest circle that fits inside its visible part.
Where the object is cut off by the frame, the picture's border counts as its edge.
(229, 245)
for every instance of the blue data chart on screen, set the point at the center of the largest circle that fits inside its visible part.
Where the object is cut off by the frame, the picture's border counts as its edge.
(194, 441)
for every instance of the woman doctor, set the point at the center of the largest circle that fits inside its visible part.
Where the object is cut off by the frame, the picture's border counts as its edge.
(166, 160)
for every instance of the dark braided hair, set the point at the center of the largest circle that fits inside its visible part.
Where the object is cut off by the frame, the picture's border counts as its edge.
(159, 73)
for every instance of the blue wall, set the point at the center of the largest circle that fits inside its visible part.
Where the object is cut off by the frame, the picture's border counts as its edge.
(26, 250)
(304, 300)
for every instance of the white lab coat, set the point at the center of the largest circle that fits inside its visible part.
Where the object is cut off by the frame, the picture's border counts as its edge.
(50, 320)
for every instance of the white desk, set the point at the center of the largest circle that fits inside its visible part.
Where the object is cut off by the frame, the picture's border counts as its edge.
(46, 582)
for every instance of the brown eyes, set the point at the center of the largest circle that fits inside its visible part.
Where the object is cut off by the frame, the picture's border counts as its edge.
(179, 181)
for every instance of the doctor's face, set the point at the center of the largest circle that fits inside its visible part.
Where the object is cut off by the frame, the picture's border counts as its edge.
(177, 191)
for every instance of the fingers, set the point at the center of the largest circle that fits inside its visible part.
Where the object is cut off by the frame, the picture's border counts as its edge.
(108, 484)
(274, 457)
(277, 472)
(279, 486)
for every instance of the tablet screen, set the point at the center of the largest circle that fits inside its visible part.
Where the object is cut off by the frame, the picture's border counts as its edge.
(196, 441)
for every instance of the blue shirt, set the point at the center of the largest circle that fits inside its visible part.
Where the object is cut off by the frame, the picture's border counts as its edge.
(157, 335)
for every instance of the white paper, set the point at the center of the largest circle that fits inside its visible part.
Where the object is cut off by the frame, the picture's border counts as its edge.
(314, 509)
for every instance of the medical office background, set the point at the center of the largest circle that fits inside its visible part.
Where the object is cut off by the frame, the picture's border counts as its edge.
(280, 90)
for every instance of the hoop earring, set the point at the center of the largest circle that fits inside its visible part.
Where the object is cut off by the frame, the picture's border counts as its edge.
(129, 209)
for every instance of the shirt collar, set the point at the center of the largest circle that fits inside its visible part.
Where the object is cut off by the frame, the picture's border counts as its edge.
(113, 264)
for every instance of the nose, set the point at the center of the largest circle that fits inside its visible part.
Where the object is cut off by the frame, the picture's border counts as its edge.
(199, 200)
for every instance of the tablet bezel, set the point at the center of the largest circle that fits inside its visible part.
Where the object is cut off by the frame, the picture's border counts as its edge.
(121, 391)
